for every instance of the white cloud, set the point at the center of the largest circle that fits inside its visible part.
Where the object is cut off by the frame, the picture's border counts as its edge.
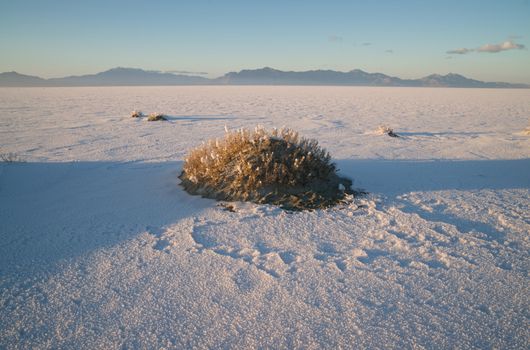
(491, 48)
(507, 45)
(185, 72)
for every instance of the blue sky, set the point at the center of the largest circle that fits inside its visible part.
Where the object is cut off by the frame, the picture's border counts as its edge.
(407, 38)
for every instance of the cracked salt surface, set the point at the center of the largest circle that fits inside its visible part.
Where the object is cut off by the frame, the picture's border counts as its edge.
(102, 249)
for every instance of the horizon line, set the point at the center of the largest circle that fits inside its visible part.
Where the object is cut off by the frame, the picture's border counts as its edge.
(201, 74)
(239, 78)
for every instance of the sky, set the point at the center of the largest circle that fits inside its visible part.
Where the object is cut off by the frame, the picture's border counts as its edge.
(486, 40)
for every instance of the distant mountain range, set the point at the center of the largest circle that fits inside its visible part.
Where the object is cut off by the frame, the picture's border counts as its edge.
(111, 77)
(264, 76)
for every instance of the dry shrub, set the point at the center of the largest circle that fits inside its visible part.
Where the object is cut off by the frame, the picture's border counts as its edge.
(276, 167)
(526, 131)
(137, 114)
(153, 117)
(385, 130)
(10, 158)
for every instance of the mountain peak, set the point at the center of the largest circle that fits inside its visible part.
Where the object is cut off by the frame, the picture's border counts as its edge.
(14, 74)
(16, 79)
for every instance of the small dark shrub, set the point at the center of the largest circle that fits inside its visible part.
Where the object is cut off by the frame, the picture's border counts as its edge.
(153, 117)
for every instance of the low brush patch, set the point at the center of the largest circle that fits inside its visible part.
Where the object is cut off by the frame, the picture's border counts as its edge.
(11, 158)
(137, 114)
(153, 117)
(386, 130)
(274, 167)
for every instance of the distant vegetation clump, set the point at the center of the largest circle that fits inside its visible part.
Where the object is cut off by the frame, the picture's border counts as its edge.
(386, 130)
(153, 117)
(275, 167)
(10, 158)
(137, 114)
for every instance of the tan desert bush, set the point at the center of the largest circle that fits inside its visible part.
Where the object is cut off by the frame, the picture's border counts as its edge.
(137, 114)
(153, 117)
(276, 167)
(385, 130)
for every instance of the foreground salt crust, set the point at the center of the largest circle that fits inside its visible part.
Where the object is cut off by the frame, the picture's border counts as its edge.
(103, 249)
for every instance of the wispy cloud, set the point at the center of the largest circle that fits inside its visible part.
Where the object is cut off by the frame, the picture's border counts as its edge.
(185, 72)
(335, 38)
(461, 51)
(491, 48)
(505, 46)
(366, 44)
(389, 51)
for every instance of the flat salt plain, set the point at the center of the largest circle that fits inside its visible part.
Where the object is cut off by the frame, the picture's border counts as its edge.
(100, 248)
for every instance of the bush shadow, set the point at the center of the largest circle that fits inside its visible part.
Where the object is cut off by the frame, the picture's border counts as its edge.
(52, 212)
(395, 177)
(401, 176)
(199, 118)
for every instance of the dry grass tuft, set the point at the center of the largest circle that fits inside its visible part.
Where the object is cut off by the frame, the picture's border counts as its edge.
(10, 158)
(276, 167)
(137, 114)
(385, 130)
(153, 117)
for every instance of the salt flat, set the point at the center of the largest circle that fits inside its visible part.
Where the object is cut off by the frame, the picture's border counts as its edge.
(101, 248)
